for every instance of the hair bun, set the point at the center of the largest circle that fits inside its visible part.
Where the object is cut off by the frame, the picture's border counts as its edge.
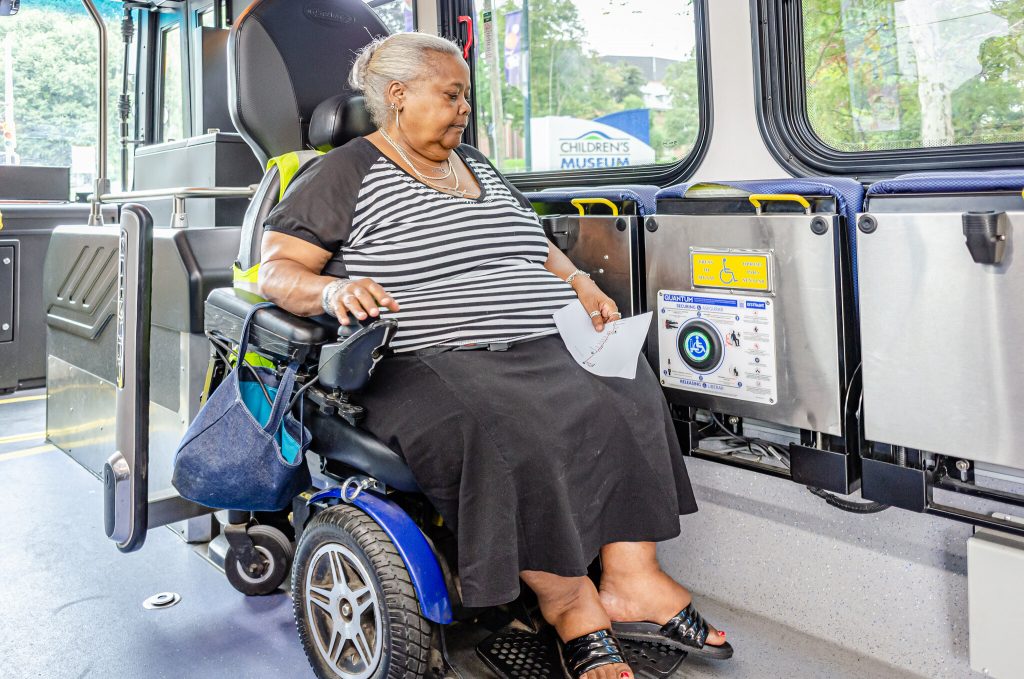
(361, 65)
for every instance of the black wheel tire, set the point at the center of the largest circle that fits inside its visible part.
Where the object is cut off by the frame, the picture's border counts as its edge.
(406, 634)
(276, 550)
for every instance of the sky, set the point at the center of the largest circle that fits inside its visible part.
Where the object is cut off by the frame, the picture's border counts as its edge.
(649, 28)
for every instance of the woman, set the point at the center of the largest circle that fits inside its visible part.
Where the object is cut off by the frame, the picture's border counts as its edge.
(536, 464)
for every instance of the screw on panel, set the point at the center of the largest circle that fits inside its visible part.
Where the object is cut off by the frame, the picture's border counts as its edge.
(819, 226)
(733, 420)
(651, 225)
(620, 224)
(867, 224)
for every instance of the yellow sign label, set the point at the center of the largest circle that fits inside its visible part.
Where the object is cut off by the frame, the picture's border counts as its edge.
(727, 270)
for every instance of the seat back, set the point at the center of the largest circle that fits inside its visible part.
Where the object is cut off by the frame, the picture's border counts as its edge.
(598, 228)
(940, 310)
(287, 57)
(335, 122)
(752, 291)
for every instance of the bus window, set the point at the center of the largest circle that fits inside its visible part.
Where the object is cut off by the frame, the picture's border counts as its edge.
(206, 18)
(48, 70)
(397, 15)
(172, 105)
(914, 73)
(583, 85)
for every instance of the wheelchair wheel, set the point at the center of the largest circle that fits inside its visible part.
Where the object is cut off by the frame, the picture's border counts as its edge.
(355, 606)
(275, 550)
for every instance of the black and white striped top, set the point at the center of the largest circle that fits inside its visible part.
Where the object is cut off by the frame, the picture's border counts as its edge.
(463, 270)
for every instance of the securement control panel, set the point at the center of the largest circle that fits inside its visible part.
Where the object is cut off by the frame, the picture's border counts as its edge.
(718, 345)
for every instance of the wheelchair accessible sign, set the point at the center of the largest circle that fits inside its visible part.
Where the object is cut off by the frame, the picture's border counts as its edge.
(731, 269)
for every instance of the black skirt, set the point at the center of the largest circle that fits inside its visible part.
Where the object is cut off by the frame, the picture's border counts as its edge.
(534, 462)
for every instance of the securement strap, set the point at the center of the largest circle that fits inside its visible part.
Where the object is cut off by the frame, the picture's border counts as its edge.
(688, 627)
(583, 654)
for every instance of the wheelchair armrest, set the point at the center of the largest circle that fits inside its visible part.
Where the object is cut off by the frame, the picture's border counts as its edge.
(348, 364)
(275, 331)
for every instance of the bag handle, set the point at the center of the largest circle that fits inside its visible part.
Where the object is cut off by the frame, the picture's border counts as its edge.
(287, 384)
(243, 340)
(284, 395)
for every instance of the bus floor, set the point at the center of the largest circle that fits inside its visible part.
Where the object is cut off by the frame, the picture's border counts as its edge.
(71, 604)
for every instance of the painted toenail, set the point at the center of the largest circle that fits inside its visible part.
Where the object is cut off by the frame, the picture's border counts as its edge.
(625, 675)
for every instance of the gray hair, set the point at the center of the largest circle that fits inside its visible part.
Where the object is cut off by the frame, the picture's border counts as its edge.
(402, 57)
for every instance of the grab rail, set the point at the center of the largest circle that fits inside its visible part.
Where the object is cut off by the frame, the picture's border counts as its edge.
(578, 203)
(756, 198)
(179, 218)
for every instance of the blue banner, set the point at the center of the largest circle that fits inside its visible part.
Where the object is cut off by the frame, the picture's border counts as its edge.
(514, 48)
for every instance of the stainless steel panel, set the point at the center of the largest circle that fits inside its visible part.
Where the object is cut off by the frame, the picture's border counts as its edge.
(80, 421)
(605, 252)
(943, 364)
(810, 384)
(994, 592)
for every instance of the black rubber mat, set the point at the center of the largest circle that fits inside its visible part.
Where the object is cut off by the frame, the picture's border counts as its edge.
(518, 654)
(649, 659)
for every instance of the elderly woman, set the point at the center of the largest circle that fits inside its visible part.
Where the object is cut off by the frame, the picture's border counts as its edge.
(538, 465)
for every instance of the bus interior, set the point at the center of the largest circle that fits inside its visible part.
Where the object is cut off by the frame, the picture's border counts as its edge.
(814, 200)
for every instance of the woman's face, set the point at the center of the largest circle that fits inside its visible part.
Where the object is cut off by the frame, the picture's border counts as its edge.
(435, 108)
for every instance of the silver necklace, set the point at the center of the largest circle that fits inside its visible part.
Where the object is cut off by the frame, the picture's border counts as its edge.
(453, 190)
(411, 164)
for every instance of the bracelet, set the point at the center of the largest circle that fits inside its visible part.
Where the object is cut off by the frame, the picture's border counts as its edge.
(574, 274)
(328, 295)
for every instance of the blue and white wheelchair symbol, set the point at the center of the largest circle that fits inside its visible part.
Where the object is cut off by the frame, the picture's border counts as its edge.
(697, 346)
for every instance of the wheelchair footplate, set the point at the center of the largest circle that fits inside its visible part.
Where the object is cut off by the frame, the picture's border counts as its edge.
(514, 653)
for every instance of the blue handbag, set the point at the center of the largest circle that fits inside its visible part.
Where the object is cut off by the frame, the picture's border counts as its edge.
(245, 450)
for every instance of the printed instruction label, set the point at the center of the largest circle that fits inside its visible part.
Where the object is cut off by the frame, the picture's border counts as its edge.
(719, 345)
(731, 269)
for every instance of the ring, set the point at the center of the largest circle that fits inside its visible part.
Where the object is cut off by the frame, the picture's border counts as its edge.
(595, 314)
(616, 313)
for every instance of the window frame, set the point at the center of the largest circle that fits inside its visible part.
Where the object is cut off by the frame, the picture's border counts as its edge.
(664, 174)
(165, 24)
(786, 128)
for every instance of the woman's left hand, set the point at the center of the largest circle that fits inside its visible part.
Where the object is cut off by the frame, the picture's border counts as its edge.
(593, 299)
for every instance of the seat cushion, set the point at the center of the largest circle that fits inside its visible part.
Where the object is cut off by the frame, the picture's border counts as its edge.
(337, 440)
(641, 194)
(950, 182)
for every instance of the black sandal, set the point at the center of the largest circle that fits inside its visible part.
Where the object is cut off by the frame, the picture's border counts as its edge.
(583, 654)
(687, 631)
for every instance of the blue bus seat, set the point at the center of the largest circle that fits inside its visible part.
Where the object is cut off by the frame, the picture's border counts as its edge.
(950, 182)
(640, 194)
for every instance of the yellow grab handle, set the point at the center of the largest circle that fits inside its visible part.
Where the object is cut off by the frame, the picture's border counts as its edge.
(756, 198)
(578, 203)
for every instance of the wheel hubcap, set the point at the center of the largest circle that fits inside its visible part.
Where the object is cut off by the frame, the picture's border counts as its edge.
(257, 573)
(343, 612)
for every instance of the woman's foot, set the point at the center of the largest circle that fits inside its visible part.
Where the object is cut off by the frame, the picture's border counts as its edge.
(651, 596)
(573, 608)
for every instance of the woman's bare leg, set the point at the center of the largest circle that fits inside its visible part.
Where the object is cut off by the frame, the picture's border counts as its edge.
(634, 588)
(572, 607)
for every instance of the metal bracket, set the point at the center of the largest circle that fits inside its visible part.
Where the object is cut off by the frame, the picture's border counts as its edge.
(241, 544)
(354, 485)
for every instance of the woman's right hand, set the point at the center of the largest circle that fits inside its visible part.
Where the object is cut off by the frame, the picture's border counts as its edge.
(362, 297)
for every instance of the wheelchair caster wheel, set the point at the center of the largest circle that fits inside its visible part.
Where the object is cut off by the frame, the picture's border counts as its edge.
(355, 607)
(275, 553)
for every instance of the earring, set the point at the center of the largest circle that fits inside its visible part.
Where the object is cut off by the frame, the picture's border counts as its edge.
(394, 108)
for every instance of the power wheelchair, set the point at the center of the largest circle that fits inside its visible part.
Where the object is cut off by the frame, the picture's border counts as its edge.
(373, 585)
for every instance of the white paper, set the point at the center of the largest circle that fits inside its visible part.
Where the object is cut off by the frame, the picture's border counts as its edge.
(612, 352)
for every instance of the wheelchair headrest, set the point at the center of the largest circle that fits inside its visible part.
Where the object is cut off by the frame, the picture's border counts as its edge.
(285, 58)
(338, 120)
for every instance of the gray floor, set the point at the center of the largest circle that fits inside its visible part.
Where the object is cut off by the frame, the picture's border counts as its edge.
(71, 604)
